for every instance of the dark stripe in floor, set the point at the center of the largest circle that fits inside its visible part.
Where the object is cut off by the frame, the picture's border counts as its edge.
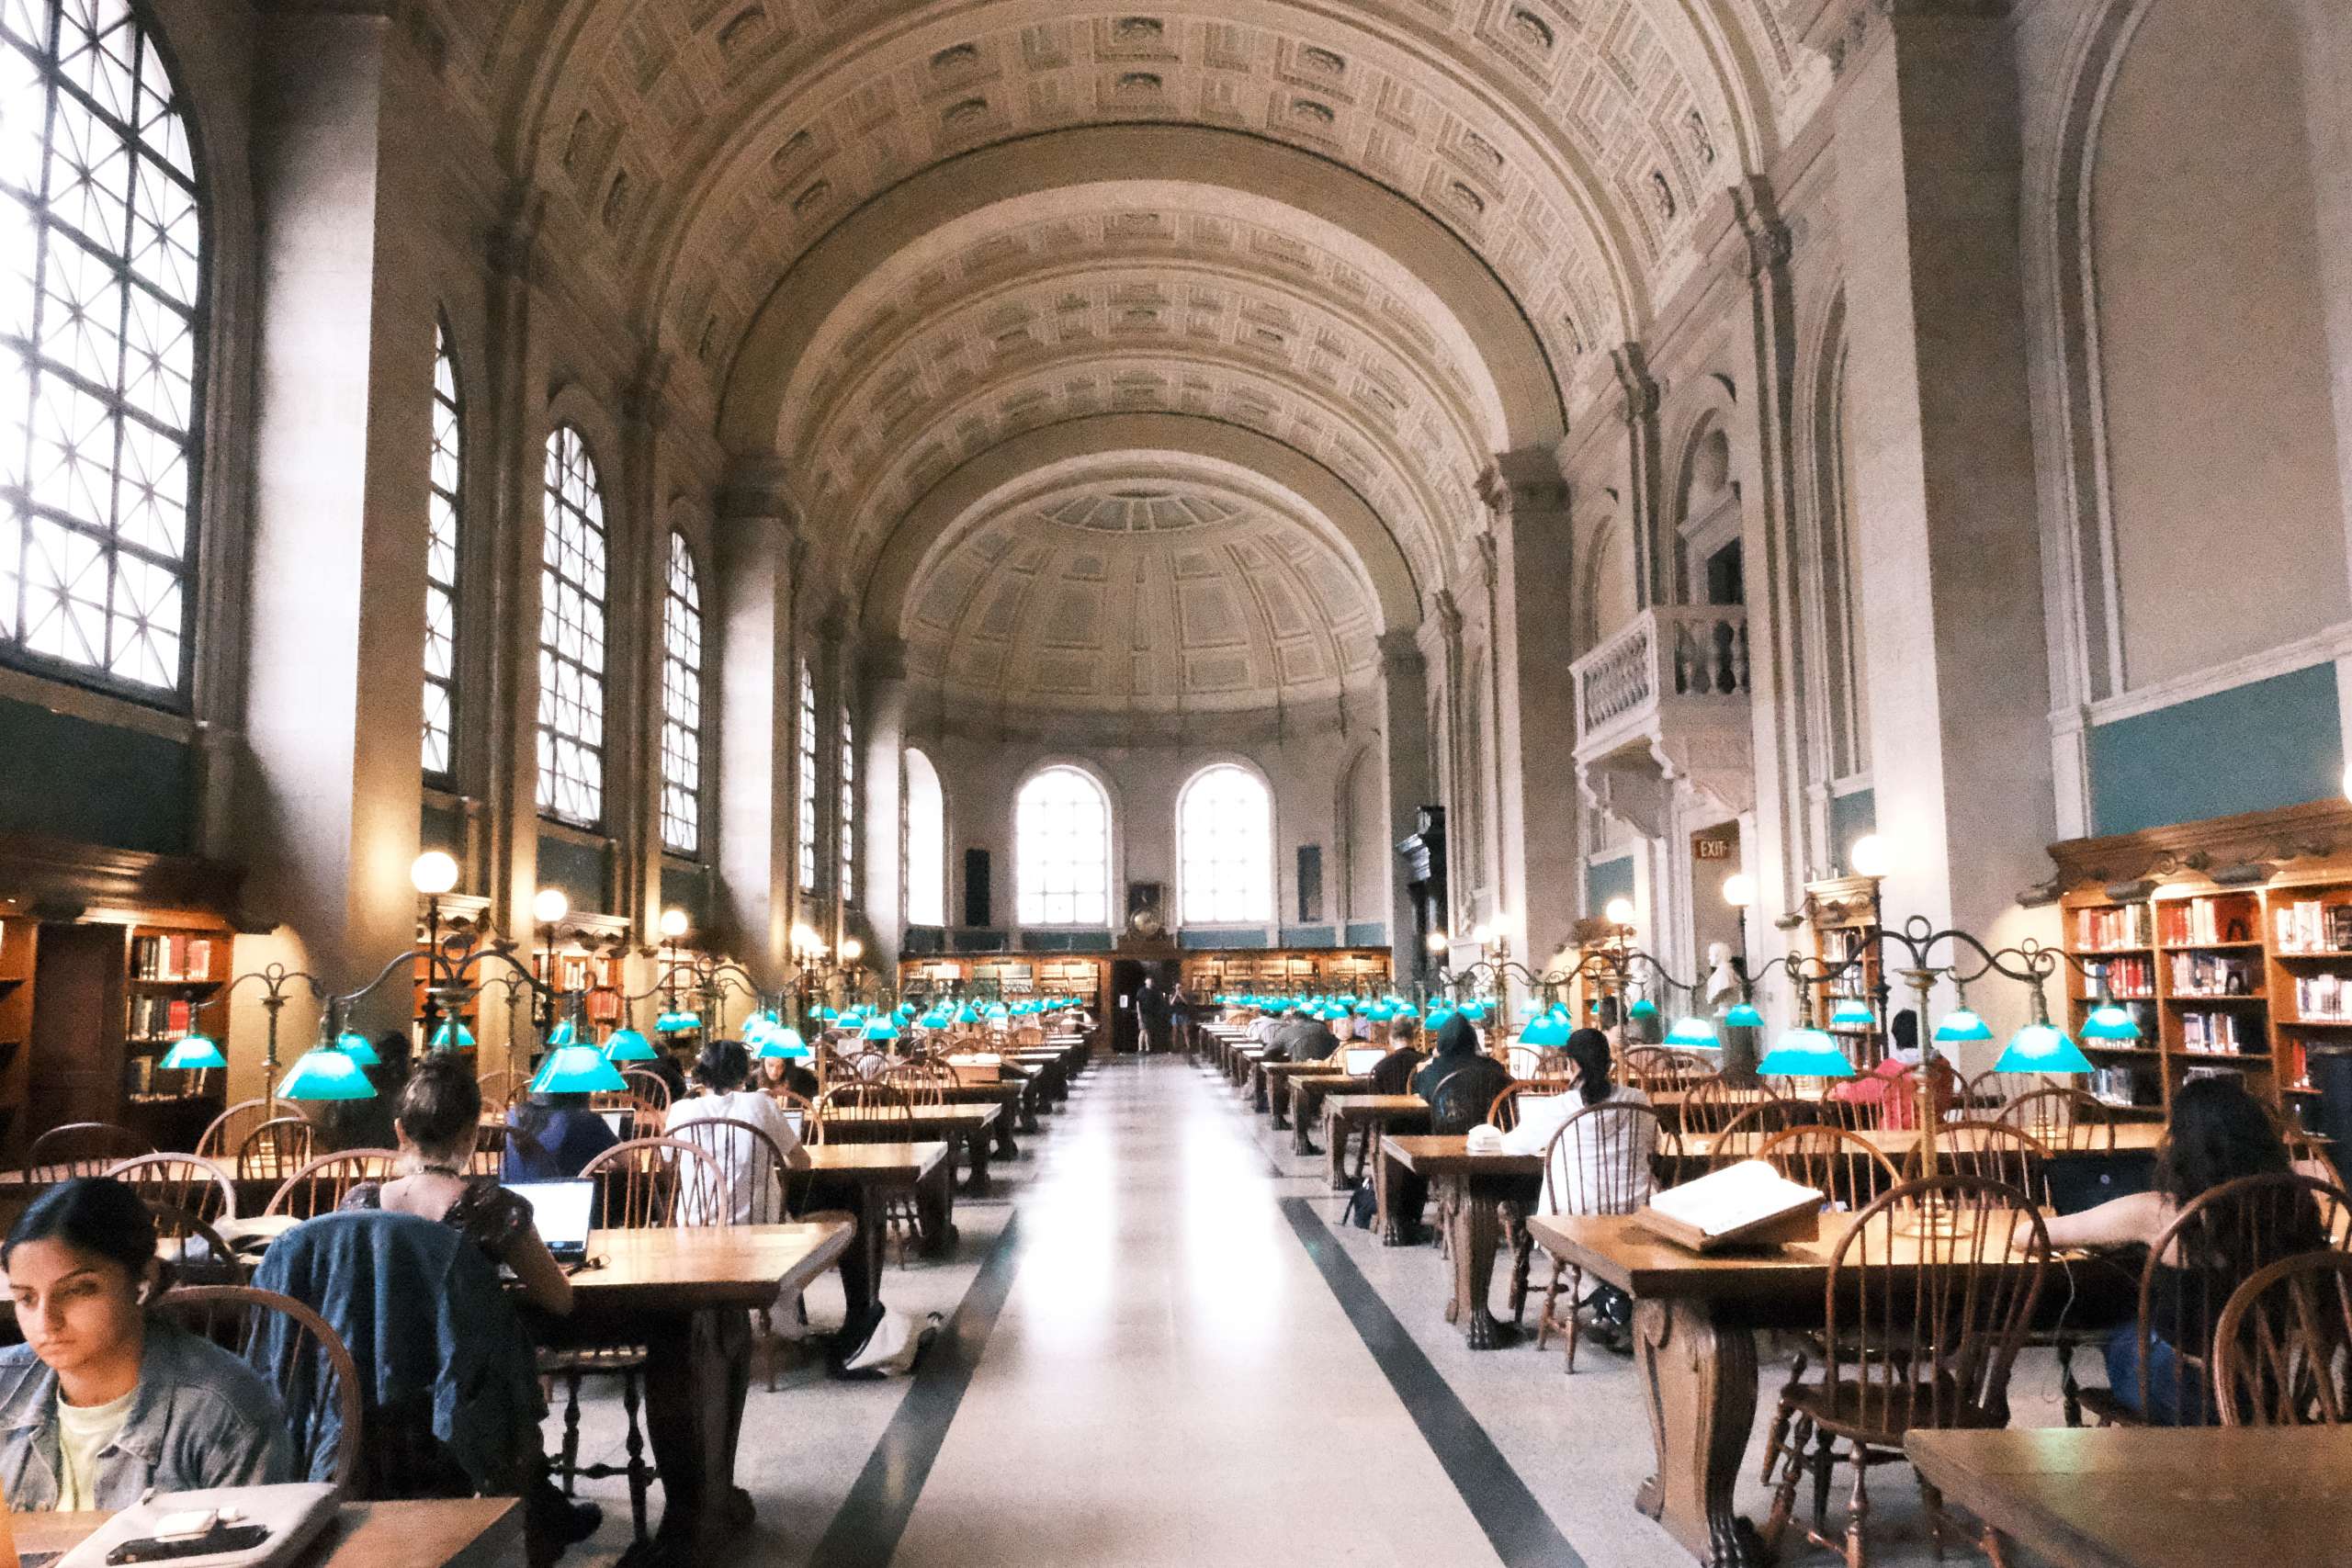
(1522, 1534)
(865, 1532)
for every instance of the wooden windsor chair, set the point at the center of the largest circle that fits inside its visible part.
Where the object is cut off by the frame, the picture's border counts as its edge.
(232, 1317)
(1711, 1104)
(1992, 1150)
(180, 1182)
(2282, 1350)
(1601, 1161)
(759, 1192)
(320, 1187)
(83, 1148)
(277, 1149)
(2061, 1119)
(1747, 1131)
(226, 1133)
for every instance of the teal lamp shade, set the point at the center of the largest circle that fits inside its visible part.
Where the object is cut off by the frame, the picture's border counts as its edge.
(1744, 1016)
(1806, 1052)
(194, 1050)
(1474, 1012)
(1000, 1013)
(905, 1012)
(1693, 1030)
(2042, 1048)
(562, 1033)
(1643, 1008)
(967, 1013)
(577, 1069)
(785, 1042)
(453, 1035)
(1962, 1027)
(1545, 1031)
(324, 1073)
(828, 1014)
(358, 1047)
(881, 1027)
(628, 1045)
(2113, 1023)
(1852, 1012)
(1437, 1017)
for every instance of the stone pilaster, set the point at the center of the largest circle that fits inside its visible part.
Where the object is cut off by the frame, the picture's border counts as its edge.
(1405, 688)
(758, 716)
(882, 740)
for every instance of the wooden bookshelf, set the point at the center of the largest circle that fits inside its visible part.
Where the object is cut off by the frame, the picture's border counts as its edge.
(1841, 913)
(2117, 942)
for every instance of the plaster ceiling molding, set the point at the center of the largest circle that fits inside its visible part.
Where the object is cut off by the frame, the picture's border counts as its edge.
(1421, 508)
(1138, 585)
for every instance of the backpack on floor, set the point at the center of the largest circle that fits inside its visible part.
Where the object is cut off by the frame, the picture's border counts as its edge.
(892, 1342)
(1362, 1205)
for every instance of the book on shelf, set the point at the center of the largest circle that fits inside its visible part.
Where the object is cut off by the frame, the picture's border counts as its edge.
(2206, 920)
(2210, 974)
(2113, 1085)
(171, 955)
(2292, 1064)
(2125, 925)
(1746, 1204)
(2127, 978)
(2217, 1034)
(2191, 1075)
(2324, 999)
(2309, 926)
(158, 1019)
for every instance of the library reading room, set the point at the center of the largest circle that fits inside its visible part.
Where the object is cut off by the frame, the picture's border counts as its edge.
(880, 784)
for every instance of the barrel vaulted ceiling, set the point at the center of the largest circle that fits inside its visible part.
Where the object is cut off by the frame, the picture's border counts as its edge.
(894, 237)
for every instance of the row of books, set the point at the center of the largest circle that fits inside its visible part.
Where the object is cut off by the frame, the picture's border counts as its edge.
(2115, 1086)
(171, 957)
(2206, 920)
(160, 1018)
(2323, 998)
(2206, 974)
(2217, 1033)
(144, 1080)
(2101, 930)
(2310, 925)
(2126, 978)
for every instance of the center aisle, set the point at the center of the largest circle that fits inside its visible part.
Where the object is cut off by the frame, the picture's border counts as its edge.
(1171, 1382)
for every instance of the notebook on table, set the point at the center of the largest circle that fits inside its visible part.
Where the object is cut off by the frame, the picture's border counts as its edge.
(563, 1212)
(1362, 1059)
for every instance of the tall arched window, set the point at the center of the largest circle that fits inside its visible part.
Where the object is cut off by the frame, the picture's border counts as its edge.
(808, 761)
(923, 850)
(441, 562)
(1062, 847)
(849, 806)
(572, 635)
(100, 349)
(682, 703)
(1224, 847)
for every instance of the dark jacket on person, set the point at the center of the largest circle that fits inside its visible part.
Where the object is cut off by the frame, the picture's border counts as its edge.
(1393, 1074)
(446, 1371)
(1305, 1040)
(1460, 1081)
(564, 1139)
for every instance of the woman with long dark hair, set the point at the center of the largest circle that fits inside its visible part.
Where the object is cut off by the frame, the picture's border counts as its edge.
(1598, 1155)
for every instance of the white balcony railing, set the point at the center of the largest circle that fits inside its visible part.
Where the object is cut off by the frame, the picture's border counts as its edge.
(1691, 659)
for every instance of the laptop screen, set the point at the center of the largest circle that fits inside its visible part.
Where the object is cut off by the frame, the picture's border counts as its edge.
(617, 1121)
(792, 1119)
(563, 1210)
(1362, 1059)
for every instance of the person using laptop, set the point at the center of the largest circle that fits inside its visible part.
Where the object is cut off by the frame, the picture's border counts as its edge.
(722, 1072)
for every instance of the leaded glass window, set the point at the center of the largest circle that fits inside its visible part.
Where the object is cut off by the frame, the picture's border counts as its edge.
(1224, 832)
(849, 808)
(682, 703)
(101, 348)
(808, 779)
(441, 562)
(1062, 845)
(572, 635)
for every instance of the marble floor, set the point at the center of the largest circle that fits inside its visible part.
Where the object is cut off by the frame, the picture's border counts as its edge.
(1162, 1348)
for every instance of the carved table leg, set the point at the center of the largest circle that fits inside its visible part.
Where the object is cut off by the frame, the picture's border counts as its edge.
(1278, 1093)
(1473, 1231)
(976, 1181)
(1258, 1087)
(1699, 1372)
(1335, 1143)
(1304, 1104)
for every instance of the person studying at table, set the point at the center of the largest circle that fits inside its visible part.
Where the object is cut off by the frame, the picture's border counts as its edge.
(720, 1073)
(1593, 1158)
(2218, 1132)
(103, 1402)
(550, 1136)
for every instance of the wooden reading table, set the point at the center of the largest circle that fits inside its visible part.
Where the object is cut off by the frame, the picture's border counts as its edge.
(1307, 1093)
(1014, 1094)
(1269, 1083)
(441, 1532)
(2154, 1496)
(967, 1125)
(862, 1178)
(1468, 1205)
(1344, 1114)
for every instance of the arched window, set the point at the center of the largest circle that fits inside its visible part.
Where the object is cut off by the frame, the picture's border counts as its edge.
(925, 843)
(101, 349)
(682, 703)
(849, 806)
(808, 779)
(441, 562)
(1062, 845)
(572, 636)
(1224, 847)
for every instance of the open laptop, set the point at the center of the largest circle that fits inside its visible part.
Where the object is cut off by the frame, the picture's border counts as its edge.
(619, 1121)
(1362, 1059)
(563, 1211)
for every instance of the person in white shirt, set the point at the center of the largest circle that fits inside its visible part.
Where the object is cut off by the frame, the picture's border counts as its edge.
(722, 1072)
(1600, 1165)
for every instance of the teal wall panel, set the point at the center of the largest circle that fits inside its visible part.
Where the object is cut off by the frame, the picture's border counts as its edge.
(583, 871)
(2265, 744)
(1310, 936)
(1608, 879)
(1367, 934)
(1212, 937)
(94, 783)
(1850, 816)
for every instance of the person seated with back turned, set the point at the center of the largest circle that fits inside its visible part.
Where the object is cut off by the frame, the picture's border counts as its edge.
(1460, 1081)
(2218, 1132)
(1393, 1074)
(722, 1072)
(104, 1403)
(1590, 1160)
(549, 1138)
(1306, 1038)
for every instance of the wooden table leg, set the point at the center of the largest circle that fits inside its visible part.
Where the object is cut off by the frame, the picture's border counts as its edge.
(1258, 1086)
(1005, 1147)
(1278, 1093)
(1474, 1234)
(698, 1371)
(1335, 1144)
(1699, 1372)
(1304, 1104)
(975, 1182)
(936, 1210)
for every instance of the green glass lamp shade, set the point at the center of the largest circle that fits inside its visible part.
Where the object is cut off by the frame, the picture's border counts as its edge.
(1852, 1012)
(324, 1073)
(785, 1042)
(358, 1047)
(628, 1045)
(577, 1069)
(1437, 1017)
(564, 1031)
(1963, 1026)
(881, 1026)
(2111, 1022)
(967, 1013)
(828, 1014)
(453, 1035)
(1000, 1013)
(1744, 1016)
(1643, 1008)
(1474, 1012)
(2042, 1048)
(905, 1012)
(1544, 1031)
(1690, 1030)
(1806, 1054)
(194, 1050)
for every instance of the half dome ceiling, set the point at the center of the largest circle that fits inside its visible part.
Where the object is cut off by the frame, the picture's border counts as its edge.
(1145, 593)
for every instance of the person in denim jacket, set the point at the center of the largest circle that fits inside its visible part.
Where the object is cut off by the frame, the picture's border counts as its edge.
(102, 1401)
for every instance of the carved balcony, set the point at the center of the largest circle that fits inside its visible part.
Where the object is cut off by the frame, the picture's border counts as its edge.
(1664, 705)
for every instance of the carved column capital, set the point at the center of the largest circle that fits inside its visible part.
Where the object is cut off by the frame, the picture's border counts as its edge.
(1770, 241)
(1637, 390)
(1400, 653)
(1845, 31)
(512, 248)
(759, 487)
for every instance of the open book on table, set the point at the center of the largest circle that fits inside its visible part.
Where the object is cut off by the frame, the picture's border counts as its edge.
(1748, 1205)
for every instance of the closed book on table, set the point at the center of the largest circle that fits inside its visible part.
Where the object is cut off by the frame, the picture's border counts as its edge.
(1748, 1205)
